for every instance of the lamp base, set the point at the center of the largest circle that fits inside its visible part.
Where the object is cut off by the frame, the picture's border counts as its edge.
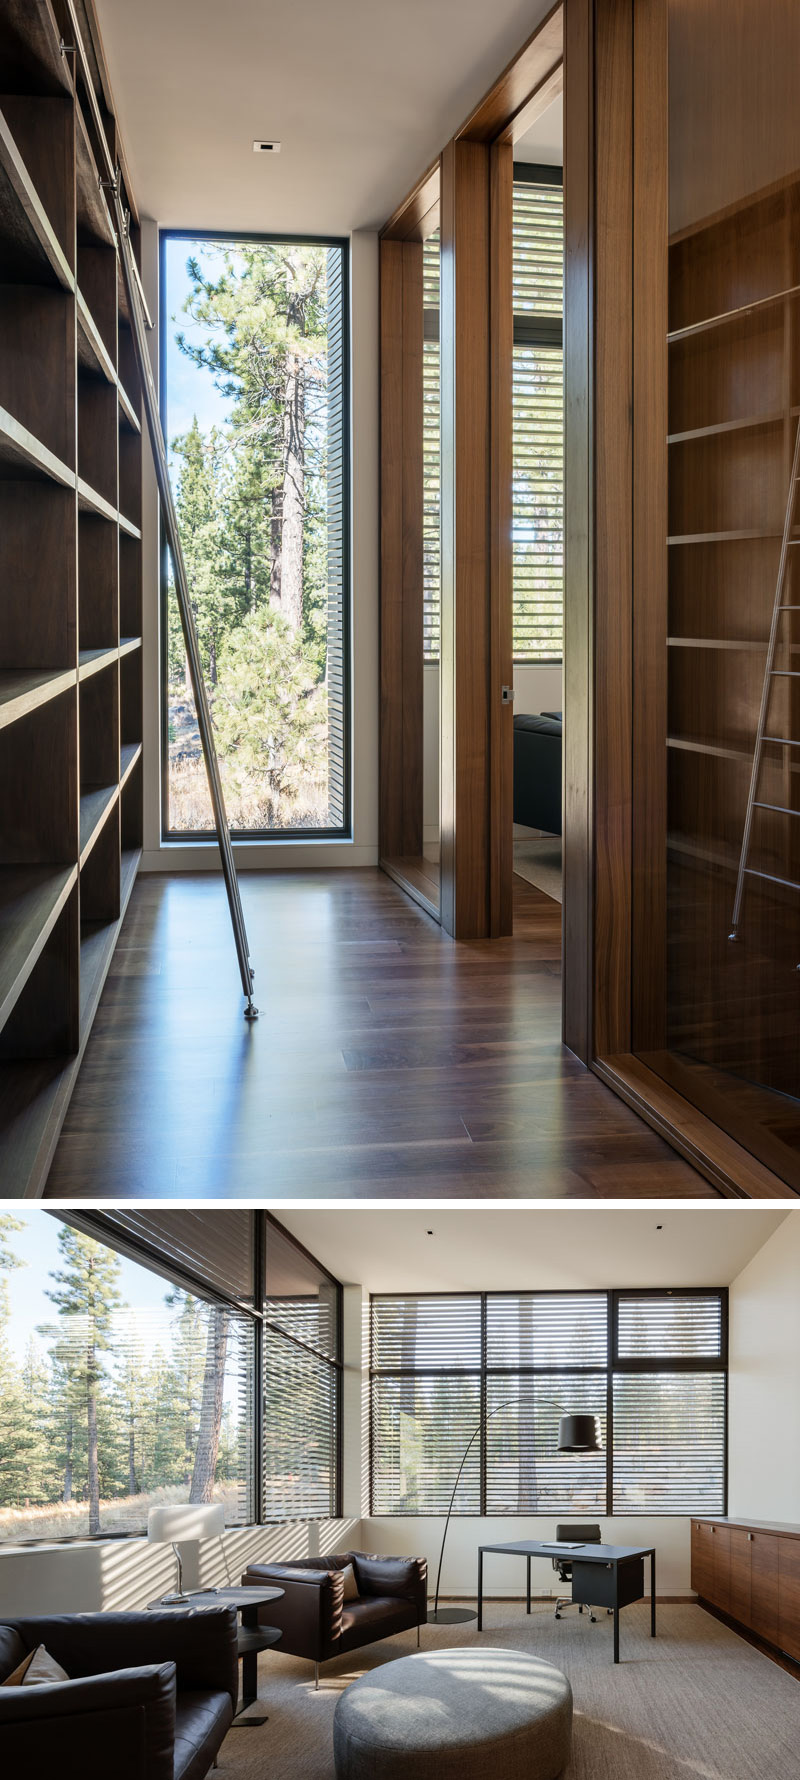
(451, 1616)
(176, 1600)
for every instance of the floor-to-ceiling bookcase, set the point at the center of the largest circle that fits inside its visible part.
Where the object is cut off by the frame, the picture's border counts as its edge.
(71, 588)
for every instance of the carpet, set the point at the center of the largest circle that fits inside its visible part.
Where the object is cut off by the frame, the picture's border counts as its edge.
(539, 862)
(698, 1703)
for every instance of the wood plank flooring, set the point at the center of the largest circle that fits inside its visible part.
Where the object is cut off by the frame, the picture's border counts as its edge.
(387, 1062)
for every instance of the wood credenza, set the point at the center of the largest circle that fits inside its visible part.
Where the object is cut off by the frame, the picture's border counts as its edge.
(751, 1570)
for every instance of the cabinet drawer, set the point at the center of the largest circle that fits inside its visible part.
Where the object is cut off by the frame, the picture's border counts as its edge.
(789, 1597)
(703, 1559)
(764, 1585)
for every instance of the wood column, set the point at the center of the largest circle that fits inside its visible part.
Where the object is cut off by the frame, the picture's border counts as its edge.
(401, 549)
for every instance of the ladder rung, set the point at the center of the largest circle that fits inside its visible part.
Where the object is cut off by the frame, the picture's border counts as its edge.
(785, 673)
(789, 608)
(781, 741)
(751, 872)
(779, 808)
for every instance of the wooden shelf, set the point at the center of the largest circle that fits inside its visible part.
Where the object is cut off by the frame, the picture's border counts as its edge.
(91, 661)
(720, 537)
(750, 424)
(31, 900)
(25, 689)
(128, 415)
(96, 804)
(128, 755)
(94, 221)
(66, 580)
(23, 456)
(730, 315)
(716, 643)
(89, 501)
(30, 250)
(40, 64)
(93, 354)
(715, 748)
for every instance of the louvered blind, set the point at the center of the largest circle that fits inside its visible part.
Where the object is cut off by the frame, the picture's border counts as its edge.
(301, 1410)
(538, 268)
(302, 1374)
(678, 1325)
(538, 419)
(431, 451)
(669, 1443)
(547, 1329)
(338, 570)
(505, 1367)
(211, 1249)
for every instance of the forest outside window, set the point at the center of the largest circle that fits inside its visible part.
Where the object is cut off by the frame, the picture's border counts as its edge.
(538, 414)
(254, 341)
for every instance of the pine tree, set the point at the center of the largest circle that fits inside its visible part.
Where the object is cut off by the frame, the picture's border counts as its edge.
(86, 1295)
(16, 1442)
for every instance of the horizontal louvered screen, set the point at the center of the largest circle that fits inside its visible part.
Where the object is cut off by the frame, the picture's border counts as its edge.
(525, 1472)
(538, 268)
(420, 1430)
(496, 1372)
(423, 1333)
(538, 502)
(674, 1326)
(337, 497)
(547, 1329)
(431, 452)
(300, 1431)
(669, 1443)
(211, 1248)
(300, 1298)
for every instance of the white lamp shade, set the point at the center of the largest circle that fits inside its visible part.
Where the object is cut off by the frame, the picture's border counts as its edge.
(185, 1520)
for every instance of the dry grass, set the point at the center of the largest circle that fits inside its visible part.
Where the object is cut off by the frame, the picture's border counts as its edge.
(250, 806)
(120, 1514)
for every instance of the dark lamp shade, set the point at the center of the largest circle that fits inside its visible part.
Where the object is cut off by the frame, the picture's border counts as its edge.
(579, 1433)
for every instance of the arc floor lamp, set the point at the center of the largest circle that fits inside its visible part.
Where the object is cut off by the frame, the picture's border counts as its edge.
(576, 1433)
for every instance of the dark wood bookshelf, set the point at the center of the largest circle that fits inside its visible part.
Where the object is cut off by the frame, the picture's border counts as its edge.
(71, 618)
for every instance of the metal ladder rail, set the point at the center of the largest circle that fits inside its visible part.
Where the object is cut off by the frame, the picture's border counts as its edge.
(140, 321)
(770, 673)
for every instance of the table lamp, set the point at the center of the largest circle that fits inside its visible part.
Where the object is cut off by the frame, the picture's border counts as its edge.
(184, 1521)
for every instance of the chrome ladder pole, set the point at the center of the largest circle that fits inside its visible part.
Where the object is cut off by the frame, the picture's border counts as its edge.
(130, 273)
(777, 608)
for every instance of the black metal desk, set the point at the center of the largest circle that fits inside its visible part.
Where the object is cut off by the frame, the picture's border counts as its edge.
(602, 1575)
(251, 1637)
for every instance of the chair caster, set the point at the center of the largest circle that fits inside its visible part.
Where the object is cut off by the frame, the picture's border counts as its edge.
(556, 1615)
(592, 1619)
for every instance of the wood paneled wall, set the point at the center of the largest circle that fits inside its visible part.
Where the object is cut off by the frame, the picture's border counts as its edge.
(401, 549)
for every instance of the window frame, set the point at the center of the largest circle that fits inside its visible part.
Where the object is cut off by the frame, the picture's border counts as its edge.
(614, 1367)
(539, 330)
(256, 836)
(135, 1247)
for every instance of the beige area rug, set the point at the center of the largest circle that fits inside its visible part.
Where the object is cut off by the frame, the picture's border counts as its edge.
(698, 1703)
(539, 862)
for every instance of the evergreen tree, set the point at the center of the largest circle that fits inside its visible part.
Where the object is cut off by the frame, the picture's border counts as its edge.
(16, 1442)
(86, 1296)
(269, 715)
(200, 506)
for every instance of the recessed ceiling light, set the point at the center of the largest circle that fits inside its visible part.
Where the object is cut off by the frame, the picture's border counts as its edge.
(266, 148)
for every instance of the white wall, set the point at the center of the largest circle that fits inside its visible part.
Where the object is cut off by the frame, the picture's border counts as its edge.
(202, 855)
(764, 1381)
(537, 687)
(505, 1576)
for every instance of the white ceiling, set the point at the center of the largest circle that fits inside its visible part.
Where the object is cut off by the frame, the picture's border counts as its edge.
(362, 95)
(487, 1249)
(544, 141)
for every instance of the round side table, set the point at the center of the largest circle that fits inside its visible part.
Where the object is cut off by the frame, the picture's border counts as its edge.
(252, 1638)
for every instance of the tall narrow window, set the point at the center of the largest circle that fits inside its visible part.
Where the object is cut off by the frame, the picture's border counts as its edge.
(538, 414)
(302, 1384)
(254, 342)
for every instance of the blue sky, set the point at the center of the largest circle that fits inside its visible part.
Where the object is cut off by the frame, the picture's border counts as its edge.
(37, 1245)
(189, 390)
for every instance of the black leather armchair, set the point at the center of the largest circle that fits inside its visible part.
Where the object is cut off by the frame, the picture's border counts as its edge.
(315, 1619)
(537, 771)
(150, 1695)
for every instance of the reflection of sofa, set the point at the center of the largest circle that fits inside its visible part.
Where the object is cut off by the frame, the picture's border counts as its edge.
(537, 771)
(150, 1695)
(315, 1619)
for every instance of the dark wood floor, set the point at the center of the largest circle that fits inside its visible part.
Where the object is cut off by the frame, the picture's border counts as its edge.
(387, 1062)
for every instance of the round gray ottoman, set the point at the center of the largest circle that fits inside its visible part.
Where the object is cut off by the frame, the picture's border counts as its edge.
(469, 1714)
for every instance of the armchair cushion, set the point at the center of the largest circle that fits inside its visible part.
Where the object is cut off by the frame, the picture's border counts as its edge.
(12, 1650)
(402, 1578)
(69, 1726)
(202, 1644)
(201, 1721)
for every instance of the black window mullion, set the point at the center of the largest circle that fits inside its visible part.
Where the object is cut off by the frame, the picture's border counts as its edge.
(612, 1337)
(484, 1442)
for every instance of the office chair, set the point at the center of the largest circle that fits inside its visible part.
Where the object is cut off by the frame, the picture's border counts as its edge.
(588, 1534)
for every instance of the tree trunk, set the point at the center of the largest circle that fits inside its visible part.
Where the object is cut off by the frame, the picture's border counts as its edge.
(293, 496)
(93, 1477)
(205, 1458)
(67, 1496)
(275, 528)
(132, 1482)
